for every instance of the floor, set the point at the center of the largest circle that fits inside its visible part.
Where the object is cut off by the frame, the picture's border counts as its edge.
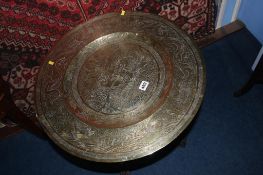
(226, 137)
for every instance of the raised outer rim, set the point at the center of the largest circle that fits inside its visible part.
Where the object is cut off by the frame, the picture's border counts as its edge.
(152, 148)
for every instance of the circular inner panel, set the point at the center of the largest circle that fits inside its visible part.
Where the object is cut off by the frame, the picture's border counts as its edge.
(118, 78)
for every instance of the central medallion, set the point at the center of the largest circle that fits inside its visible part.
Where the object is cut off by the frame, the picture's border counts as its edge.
(117, 78)
(110, 78)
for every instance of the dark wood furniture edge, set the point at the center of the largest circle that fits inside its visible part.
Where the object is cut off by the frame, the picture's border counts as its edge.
(256, 77)
(9, 111)
(221, 33)
(9, 131)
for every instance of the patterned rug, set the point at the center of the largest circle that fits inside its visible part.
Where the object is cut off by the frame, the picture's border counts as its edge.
(19, 69)
(35, 25)
(29, 28)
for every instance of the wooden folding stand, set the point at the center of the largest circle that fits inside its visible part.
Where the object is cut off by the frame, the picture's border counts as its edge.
(9, 110)
(256, 77)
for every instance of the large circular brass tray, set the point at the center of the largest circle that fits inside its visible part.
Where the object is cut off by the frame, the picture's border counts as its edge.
(119, 87)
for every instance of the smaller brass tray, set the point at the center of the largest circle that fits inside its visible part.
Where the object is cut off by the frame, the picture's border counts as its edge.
(119, 88)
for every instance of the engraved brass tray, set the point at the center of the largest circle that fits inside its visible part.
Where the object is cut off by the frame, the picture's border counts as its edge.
(119, 88)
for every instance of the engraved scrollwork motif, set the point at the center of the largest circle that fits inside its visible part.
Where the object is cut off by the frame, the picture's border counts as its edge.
(116, 79)
(90, 102)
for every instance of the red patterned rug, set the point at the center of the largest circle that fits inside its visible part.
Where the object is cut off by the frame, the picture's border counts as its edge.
(35, 25)
(29, 28)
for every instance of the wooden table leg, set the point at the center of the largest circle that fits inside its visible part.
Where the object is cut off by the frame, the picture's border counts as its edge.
(9, 109)
(256, 77)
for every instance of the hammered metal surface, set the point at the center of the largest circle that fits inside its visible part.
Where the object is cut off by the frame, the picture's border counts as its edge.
(121, 87)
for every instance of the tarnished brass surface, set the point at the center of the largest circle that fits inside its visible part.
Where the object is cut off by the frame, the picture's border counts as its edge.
(120, 88)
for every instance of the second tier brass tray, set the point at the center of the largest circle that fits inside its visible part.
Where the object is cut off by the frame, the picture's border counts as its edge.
(119, 87)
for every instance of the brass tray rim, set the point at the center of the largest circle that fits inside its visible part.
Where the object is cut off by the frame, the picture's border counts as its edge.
(201, 85)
